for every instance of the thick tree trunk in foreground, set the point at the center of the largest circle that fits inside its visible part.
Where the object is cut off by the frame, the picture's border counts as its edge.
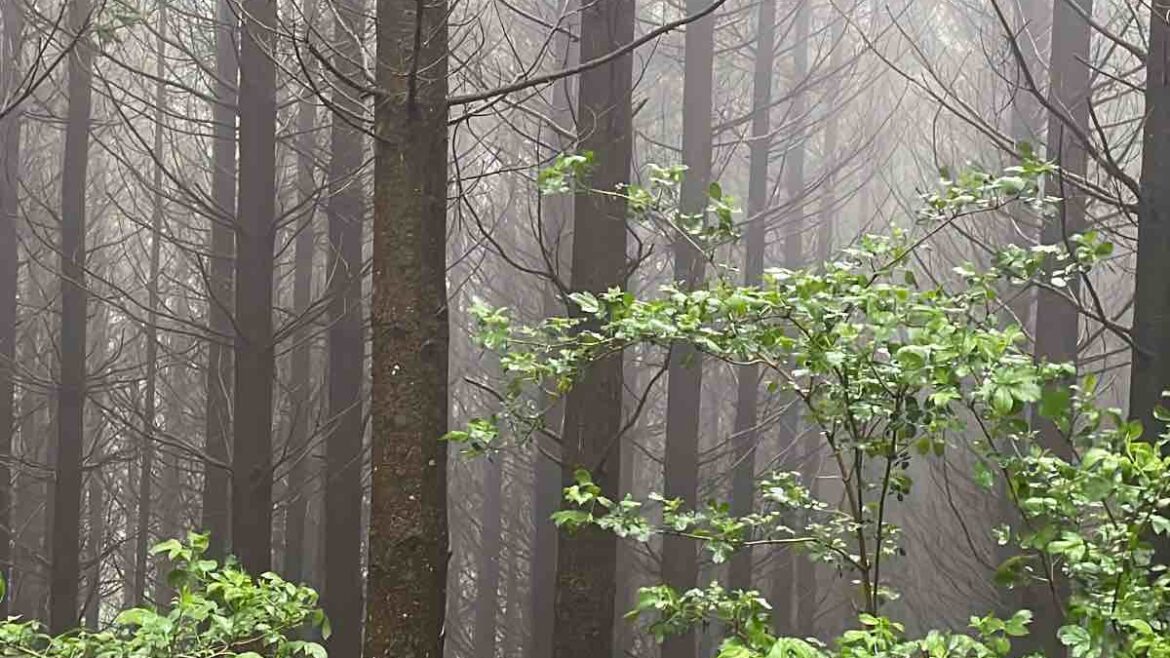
(343, 448)
(66, 521)
(408, 516)
(680, 563)
(255, 240)
(745, 435)
(216, 517)
(587, 560)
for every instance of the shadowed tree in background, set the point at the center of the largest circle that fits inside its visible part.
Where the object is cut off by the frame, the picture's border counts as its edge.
(65, 546)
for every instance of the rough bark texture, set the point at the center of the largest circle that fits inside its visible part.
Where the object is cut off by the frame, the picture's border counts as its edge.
(343, 448)
(10, 126)
(1057, 321)
(587, 560)
(685, 384)
(255, 240)
(408, 517)
(216, 514)
(745, 435)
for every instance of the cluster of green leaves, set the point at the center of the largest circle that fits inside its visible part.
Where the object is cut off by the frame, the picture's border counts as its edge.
(887, 370)
(218, 611)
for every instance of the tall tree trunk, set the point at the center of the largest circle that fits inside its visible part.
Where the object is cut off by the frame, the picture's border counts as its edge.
(408, 516)
(745, 435)
(1058, 323)
(10, 126)
(343, 447)
(1151, 314)
(255, 240)
(300, 388)
(487, 583)
(95, 487)
(685, 383)
(556, 215)
(587, 560)
(789, 577)
(150, 398)
(66, 521)
(215, 512)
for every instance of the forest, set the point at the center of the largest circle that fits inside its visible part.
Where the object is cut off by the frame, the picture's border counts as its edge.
(584, 328)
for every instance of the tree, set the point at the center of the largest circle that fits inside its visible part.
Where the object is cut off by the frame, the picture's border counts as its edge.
(10, 124)
(344, 456)
(215, 513)
(408, 515)
(71, 388)
(251, 515)
(685, 383)
(587, 561)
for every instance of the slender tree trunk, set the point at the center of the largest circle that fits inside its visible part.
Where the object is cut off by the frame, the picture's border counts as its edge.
(685, 384)
(788, 578)
(255, 241)
(408, 516)
(745, 435)
(1058, 322)
(10, 126)
(343, 447)
(587, 560)
(150, 398)
(95, 486)
(300, 389)
(487, 584)
(217, 421)
(66, 522)
(557, 215)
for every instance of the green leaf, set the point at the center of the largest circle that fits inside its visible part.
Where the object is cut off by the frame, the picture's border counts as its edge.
(586, 302)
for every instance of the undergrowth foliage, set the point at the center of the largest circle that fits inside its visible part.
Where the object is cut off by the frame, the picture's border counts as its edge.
(888, 370)
(218, 611)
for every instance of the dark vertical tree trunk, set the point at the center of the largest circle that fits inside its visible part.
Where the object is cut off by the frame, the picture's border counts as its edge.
(487, 584)
(557, 215)
(408, 516)
(790, 574)
(343, 447)
(1057, 321)
(9, 273)
(1151, 313)
(685, 383)
(66, 521)
(587, 560)
(215, 512)
(745, 435)
(300, 388)
(255, 240)
(150, 397)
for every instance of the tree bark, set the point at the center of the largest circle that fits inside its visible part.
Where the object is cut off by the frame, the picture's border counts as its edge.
(408, 517)
(215, 515)
(685, 377)
(255, 240)
(343, 447)
(10, 128)
(745, 434)
(587, 560)
(66, 523)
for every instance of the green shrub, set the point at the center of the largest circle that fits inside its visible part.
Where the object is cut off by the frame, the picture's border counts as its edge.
(218, 611)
